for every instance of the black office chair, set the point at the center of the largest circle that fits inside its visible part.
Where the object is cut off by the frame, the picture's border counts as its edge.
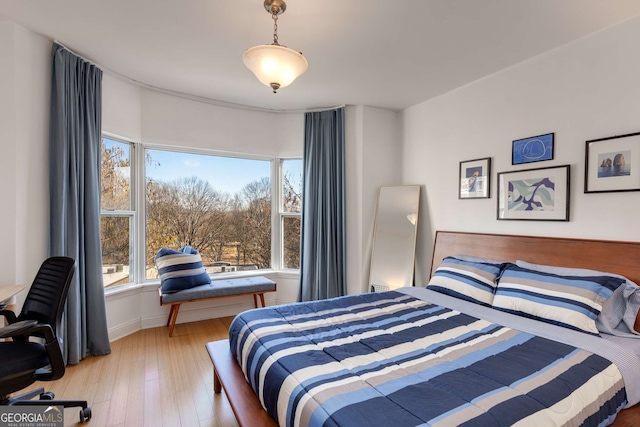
(23, 362)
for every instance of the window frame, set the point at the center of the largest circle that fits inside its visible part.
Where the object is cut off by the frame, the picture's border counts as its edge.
(131, 213)
(282, 214)
(138, 208)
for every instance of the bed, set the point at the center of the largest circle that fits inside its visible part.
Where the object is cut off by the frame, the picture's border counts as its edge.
(371, 373)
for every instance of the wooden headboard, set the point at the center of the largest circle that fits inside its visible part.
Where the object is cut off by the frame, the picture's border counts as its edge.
(603, 255)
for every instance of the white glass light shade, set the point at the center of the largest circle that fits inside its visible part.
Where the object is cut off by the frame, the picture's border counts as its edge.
(275, 64)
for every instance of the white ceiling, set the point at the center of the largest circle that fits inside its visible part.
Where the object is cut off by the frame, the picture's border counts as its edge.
(381, 53)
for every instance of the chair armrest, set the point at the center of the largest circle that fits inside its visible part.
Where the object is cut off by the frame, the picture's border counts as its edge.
(24, 327)
(9, 315)
(27, 328)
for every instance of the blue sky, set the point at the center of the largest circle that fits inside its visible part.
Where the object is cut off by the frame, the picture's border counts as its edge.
(226, 174)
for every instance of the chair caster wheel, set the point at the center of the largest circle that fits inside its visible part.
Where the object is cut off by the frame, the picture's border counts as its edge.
(85, 415)
(47, 395)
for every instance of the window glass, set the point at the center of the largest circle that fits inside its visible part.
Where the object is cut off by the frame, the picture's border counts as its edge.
(291, 210)
(291, 242)
(292, 185)
(115, 233)
(115, 176)
(219, 205)
(116, 219)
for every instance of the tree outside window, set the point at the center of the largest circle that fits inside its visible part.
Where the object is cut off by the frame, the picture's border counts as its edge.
(291, 212)
(219, 205)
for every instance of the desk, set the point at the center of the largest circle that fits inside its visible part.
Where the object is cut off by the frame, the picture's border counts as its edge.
(7, 292)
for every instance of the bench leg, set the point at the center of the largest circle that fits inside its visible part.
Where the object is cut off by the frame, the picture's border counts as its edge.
(217, 385)
(173, 316)
(255, 299)
(170, 314)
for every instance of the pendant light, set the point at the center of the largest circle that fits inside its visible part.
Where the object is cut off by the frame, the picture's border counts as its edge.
(273, 64)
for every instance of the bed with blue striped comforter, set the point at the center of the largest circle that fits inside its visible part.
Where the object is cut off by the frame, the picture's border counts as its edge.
(391, 359)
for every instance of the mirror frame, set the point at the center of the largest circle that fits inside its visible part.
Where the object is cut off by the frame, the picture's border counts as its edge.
(376, 237)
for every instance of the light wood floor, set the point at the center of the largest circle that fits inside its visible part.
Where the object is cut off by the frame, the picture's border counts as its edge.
(150, 380)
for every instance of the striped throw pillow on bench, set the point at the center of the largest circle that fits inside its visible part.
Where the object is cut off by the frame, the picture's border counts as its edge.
(180, 269)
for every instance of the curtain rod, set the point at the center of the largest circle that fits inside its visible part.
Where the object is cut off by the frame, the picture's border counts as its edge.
(194, 97)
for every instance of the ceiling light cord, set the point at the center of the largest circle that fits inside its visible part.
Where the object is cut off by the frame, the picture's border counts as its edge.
(274, 16)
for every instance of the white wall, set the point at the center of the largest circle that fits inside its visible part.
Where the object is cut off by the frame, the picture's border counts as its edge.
(8, 136)
(25, 73)
(170, 120)
(373, 158)
(586, 90)
(148, 116)
(121, 104)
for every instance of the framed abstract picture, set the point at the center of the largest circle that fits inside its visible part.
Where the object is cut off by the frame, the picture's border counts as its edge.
(612, 164)
(532, 149)
(475, 179)
(534, 194)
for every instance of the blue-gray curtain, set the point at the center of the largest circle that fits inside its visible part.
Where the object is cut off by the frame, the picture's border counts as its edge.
(323, 240)
(74, 193)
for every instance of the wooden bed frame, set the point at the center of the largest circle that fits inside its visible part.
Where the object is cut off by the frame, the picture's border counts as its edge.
(603, 255)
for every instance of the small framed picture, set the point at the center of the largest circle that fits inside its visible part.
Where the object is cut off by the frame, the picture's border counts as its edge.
(532, 149)
(534, 194)
(475, 178)
(612, 164)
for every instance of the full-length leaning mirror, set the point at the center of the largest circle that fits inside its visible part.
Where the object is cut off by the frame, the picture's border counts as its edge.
(394, 237)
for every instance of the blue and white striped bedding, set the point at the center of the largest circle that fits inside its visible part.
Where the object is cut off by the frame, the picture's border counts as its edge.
(391, 359)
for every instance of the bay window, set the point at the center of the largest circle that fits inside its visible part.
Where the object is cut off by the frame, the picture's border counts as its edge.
(241, 213)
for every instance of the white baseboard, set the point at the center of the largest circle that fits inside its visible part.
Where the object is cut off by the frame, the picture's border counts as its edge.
(153, 322)
(136, 309)
(121, 331)
(184, 316)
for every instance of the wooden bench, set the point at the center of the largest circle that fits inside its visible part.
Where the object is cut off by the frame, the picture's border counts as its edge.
(221, 288)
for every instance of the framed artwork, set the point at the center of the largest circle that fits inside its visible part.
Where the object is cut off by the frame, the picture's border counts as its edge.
(534, 194)
(532, 149)
(475, 179)
(612, 164)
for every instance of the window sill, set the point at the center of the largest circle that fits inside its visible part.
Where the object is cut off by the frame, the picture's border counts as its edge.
(122, 290)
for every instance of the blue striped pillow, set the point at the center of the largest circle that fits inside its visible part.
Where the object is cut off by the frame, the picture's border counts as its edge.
(181, 269)
(467, 280)
(573, 302)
